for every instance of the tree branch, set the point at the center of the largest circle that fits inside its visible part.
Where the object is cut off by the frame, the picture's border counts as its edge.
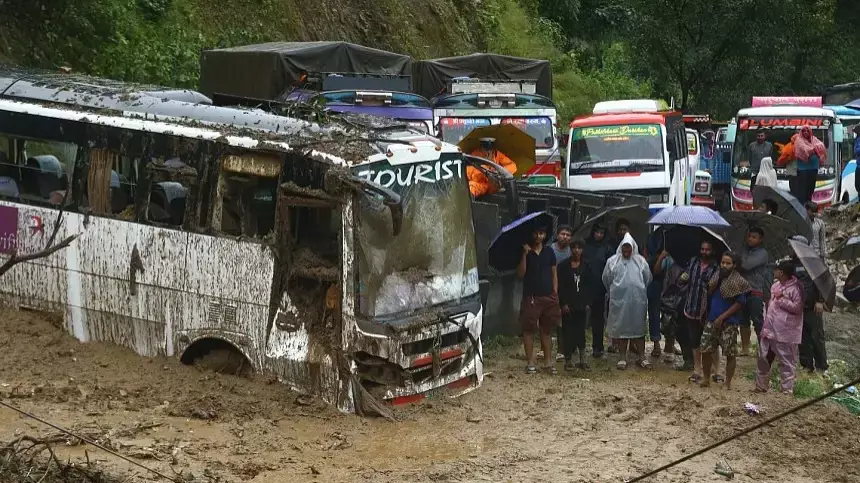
(49, 249)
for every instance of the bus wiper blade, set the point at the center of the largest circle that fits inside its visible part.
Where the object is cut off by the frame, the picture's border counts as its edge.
(639, 165)
(586, 163)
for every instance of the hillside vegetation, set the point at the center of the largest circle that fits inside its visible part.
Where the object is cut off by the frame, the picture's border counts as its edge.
(710, 56)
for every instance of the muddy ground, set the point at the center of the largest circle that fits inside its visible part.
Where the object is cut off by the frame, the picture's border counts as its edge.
(603, 425)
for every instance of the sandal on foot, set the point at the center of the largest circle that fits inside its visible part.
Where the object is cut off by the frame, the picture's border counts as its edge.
(718, 379)
(656, 352)
(695, 379)
(531, 369)
(621, 365)
(645, 364)
(551, 370)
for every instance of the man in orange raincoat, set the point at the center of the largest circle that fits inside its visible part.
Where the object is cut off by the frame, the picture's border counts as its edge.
(479, 185)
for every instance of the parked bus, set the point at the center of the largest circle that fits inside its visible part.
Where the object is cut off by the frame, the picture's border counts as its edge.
(632, 146)
(780, 118)
(297, 261)
(479, 90)
(850, 118)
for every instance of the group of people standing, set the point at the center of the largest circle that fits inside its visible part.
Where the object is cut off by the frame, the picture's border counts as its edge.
(709, 304)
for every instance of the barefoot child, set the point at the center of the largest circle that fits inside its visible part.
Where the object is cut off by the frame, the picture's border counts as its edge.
(728, 292)
(782, 329)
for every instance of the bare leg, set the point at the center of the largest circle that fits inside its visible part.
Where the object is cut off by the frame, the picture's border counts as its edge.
(669, 345)
(717, 360)
(697, 361)
(745, 341)
(546, 345)
(622, 348)
(640, 345)
(731, 361)
(707, 359)
(529, 344)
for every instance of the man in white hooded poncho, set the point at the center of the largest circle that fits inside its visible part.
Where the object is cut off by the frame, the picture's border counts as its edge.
(626, 277)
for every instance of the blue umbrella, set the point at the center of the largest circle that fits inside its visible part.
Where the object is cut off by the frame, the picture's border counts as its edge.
(691, 216)
(506, 251)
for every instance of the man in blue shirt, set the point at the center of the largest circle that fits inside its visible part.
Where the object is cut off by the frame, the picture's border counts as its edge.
(728, 293)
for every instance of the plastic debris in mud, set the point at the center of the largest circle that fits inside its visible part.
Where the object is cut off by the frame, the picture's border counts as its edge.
(752, 409)
(723, 468)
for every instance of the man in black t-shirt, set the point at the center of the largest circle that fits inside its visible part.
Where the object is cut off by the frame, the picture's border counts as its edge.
(539, 309)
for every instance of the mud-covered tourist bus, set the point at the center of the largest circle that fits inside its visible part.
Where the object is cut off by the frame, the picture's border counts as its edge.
(345, 267)
(780, 118)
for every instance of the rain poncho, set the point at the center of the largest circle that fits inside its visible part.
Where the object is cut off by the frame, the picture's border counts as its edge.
(626, 280)
(479, 185)
(766, 173)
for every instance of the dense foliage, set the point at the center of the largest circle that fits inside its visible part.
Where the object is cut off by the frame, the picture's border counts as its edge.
(709, 56)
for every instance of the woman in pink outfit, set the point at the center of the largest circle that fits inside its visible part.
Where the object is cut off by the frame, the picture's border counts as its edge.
(782, 329)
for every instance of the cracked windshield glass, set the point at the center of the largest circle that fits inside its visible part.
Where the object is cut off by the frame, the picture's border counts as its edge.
(433, 259)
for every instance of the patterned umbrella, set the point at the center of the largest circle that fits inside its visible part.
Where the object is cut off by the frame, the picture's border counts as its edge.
(507, 249)
(777, 231)
(788, 208)
(817, 269)
(691, 216)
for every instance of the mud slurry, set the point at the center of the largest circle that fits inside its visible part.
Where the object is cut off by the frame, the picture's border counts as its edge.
(603, 425)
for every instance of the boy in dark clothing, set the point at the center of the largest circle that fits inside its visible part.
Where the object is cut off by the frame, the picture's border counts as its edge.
(595, 254)
(813, 350)
(573, 298)
(539, 309)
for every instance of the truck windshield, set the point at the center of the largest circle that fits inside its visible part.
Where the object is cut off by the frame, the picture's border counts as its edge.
(746, 155)
(454, 129)
(634, 147)
(433, 260)
(540, 128)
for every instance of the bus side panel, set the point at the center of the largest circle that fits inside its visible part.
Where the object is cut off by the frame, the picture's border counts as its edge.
(131, 277)
(228, 284)
(39, 284)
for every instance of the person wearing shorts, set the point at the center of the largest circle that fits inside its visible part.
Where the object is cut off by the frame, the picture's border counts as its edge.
(539, 310)
(728, 295)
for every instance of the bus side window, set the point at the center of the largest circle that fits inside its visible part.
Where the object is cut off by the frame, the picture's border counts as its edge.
(10, 175)
(108, 192)
(246, 195)
(41, 169)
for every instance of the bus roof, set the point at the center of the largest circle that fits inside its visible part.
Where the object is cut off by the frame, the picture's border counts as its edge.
(786, 111)
(341, 147)
(613, 119)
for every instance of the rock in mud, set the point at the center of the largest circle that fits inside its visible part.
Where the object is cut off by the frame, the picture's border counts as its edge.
(473, 418)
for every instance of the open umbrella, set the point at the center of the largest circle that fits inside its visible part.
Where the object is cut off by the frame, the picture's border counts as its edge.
(509, 140)
(506, 251)
(847, 250)
(777, 231)
(683, 242)
(787, 207)
(817, 269)
(691, 216)
(636, 215)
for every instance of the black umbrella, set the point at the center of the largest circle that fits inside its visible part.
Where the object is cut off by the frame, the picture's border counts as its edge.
(787, 207)
(506, 251)
(817, 269)
(847, 250)
(609, 218)
(684, 241)
(777, 231)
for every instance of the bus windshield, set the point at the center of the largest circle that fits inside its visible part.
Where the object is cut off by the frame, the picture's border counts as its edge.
(636, 147)
(540, 128)
(433, 260)
(454, 129)
(747, 152)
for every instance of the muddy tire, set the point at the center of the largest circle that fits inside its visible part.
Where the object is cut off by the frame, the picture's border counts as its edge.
(219, 357)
